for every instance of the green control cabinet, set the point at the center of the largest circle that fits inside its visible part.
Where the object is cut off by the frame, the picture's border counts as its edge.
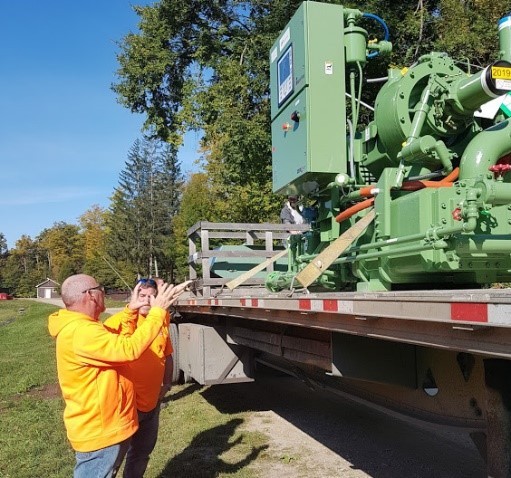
(307, 74)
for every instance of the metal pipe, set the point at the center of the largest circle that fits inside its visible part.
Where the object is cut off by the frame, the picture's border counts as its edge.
(483, 244)
(415, 130)
(485, 150)
(404, 250)
(352, 147)
(382, 79)
(369, 107)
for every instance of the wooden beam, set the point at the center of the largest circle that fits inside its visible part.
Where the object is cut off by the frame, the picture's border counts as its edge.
(324, 260)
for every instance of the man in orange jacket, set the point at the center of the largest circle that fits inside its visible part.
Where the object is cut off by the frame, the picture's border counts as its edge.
(151, 375)
(100, 414)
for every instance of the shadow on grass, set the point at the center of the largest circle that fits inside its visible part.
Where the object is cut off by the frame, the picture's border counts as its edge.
(189, 390)
(201, 459)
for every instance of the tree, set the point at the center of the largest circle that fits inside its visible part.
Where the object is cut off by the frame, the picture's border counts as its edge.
(196, 205)
(63, 247)
(127, 220)
(166, 200)
(3, 245)
(94, 233)
(468, 30)
(204, 65)
(143, 206)
(23, 268)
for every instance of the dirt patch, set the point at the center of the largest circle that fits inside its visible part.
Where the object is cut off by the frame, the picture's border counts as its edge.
(45, 392)
(294, 454)
(313, 433)
(49, 391)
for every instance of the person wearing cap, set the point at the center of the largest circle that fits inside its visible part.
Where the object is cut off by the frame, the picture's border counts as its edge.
(151, 376)
(100, 414)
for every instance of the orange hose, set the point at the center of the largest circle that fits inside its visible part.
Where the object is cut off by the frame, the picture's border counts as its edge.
(366, 191)
(354, 209)
(437, 184)
(443, 183)
(452, 176)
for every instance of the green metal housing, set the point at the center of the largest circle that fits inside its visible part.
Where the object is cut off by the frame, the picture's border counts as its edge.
(308, 115)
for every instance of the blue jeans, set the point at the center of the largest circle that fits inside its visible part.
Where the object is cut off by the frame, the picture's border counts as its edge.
(142, 443)
(102, 463)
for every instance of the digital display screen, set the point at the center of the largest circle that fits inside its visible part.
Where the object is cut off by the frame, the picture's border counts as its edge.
(285, 74)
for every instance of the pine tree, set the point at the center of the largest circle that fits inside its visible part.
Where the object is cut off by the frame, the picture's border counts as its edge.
(143, 206)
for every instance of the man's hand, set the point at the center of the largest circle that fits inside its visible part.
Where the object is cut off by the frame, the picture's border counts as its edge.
(135, 301)
(168, 294)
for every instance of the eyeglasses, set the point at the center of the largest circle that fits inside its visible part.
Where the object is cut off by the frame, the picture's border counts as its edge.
(148, 282)
(101, 288)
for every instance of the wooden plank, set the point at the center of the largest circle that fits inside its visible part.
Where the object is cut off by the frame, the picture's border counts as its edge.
(240, 226)
(241, 254)
(247, 275)
(324, 260)
(259, 235)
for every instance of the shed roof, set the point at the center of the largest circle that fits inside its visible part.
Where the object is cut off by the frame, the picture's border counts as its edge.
(48, 283)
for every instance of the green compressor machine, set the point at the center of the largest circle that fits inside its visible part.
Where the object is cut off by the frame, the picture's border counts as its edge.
(417, 197)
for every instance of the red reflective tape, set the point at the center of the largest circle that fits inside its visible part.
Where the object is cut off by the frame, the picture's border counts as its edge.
(255, 302)
(304, 304)
(469, 312)
(330, 305)
(243, 302)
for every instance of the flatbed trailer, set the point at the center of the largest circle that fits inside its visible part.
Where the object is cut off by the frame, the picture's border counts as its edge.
(438, 355)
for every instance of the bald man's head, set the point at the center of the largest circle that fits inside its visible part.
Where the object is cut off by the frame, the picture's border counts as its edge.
(82, 293)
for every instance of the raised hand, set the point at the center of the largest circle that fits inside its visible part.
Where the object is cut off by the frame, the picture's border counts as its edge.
(168, 294)
(136, 302)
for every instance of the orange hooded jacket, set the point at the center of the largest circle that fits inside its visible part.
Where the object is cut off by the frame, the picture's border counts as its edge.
(147, 372)
(100, 409)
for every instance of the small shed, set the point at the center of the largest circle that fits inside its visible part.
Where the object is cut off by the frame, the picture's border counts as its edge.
(48, 289)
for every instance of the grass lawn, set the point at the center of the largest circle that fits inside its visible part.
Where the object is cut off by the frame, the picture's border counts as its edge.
(196, 439)
(32, 437)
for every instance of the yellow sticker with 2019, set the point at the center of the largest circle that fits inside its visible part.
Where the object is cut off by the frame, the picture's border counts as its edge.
(501, 73)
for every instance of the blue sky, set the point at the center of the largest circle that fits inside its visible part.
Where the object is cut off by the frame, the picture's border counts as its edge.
(64, 138)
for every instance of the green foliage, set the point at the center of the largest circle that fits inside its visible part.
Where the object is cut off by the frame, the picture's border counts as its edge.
(24, 267)
(216, 79)
(63, 246)
(468, 30)
(142, 209)
(198, 203)
(3, 245)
